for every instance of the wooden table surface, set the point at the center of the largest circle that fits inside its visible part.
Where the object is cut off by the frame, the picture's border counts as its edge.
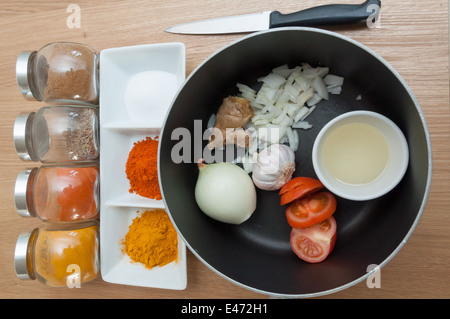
(412, 36)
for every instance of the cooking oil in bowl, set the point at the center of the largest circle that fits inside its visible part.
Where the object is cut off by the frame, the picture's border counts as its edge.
(360, 155)
(355, 153)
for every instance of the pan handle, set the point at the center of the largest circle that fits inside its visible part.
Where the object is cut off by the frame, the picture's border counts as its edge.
(330, 14)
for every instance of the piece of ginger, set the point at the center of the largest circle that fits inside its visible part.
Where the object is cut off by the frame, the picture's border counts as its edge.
(233, 115)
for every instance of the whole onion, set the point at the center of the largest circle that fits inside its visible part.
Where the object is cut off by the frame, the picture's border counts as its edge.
(225, 192)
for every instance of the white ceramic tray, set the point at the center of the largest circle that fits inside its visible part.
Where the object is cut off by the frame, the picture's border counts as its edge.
(137, 85)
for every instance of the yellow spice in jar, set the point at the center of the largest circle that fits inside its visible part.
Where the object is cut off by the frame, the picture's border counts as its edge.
(57, 250)
(151, 239)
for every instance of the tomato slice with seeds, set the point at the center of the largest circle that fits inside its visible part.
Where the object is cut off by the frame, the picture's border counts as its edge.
(299, 187)
(314, 243)
(311, 209)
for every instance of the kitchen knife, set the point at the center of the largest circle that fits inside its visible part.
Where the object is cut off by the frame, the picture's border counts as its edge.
(330, 14)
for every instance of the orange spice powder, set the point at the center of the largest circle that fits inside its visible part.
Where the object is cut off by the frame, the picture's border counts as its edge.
(151, 239)
(142, 170)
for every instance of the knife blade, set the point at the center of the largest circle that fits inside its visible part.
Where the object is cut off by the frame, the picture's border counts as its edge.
(330, 14)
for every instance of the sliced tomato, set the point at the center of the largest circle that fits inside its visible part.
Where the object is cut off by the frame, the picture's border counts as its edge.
(299, 187)
(300, 181)
(314, 243)
(311, 209)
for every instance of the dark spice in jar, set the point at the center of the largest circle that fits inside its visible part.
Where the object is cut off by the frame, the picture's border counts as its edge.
(82, 140)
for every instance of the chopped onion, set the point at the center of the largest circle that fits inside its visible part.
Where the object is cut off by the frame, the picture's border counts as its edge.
(273, 80)
(310, 110)
(316, 98)
(286, 97)
(247, 163)
(283, 71)
(302, 124)
(301, 113)
(333, 80)
(320, 87)
(211, 121)
(303, 97)
(334, 89)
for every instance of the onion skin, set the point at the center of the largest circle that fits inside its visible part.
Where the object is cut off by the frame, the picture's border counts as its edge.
(225, 192)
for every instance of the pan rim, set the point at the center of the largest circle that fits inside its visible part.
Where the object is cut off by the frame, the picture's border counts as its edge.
(429, 158)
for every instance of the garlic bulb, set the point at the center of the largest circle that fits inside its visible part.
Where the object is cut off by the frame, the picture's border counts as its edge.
(274, 167)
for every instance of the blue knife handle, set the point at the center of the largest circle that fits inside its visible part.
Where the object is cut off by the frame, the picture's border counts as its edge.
(330, 14)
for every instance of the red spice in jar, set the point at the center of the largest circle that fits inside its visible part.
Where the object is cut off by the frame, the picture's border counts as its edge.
(58, 194)
(78, 197)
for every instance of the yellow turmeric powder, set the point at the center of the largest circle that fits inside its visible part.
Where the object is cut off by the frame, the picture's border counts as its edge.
(56, 250)
(151, 239)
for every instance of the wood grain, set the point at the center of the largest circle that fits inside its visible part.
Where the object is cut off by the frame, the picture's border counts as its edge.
(413, 37)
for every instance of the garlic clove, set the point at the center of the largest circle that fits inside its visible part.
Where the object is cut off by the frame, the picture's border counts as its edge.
(274, 167)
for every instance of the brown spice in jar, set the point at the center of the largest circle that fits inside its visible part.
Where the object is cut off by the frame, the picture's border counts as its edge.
(82, 143)
(77, 83)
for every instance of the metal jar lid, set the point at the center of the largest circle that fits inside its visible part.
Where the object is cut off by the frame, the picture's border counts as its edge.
(22, 71)
(20, 256)
(20, 192)
(21, 137)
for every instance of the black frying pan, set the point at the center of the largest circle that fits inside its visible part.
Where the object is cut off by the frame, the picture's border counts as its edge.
(257, 254)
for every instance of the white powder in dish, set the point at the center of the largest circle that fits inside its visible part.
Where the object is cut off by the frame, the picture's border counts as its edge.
(148, 95)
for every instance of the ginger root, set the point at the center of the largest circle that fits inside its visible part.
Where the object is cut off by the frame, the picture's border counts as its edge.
(233, 115)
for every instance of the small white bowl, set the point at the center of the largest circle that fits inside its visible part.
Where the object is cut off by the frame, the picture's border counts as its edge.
(398, 157)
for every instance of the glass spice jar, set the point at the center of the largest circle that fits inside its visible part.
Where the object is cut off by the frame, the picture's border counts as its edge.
(58, 134)
(60, 73)
(59, 255)
(58, 194)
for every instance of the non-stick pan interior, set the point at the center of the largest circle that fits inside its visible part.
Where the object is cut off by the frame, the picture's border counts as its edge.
(257, 254)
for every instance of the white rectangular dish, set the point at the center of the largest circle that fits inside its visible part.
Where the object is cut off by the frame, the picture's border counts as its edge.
(118, 268)
(137, 85)
(140, 82)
